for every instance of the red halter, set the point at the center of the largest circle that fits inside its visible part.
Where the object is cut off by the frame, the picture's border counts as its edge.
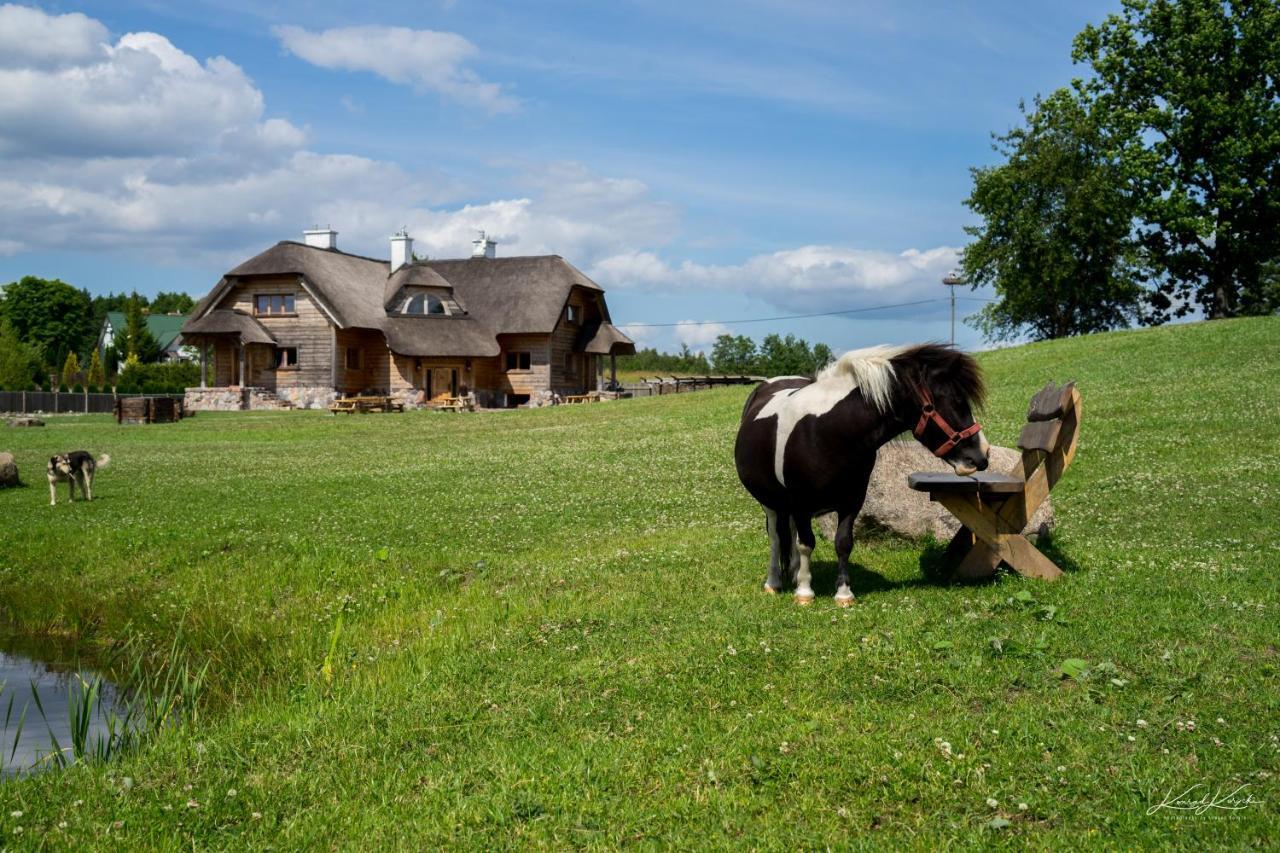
(928, 412)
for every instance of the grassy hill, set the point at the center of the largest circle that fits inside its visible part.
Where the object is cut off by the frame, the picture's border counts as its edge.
(551, 630)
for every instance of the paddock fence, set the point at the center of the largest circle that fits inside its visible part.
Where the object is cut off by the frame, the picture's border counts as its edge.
(660, 385)
(62, 402)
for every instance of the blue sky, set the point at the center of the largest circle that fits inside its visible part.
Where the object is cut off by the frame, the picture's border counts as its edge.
(702, 161)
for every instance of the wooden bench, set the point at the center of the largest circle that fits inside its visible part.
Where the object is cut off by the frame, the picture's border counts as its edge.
(994, 508)
(365, 404)
(578, 398)
(453, 404)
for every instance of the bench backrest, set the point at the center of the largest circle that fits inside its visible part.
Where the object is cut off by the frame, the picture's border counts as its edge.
(1052, 432)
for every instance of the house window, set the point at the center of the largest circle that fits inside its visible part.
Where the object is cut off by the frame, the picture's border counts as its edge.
(354, 359)
(273, 303)
(424, 303)
(519, 360)
(286, 358)
(574, 314)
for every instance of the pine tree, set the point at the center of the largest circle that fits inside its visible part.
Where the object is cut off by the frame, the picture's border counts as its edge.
(139, 341)
(70, 370)
(95, 377)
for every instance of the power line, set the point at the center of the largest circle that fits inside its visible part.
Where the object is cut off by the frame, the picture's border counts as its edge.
(787, 316)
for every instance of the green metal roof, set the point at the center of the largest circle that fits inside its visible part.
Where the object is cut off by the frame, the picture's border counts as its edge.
(163, 327)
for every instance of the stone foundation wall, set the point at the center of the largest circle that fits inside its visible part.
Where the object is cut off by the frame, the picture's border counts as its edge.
(307, 396)
(235, 399)
(225, 399)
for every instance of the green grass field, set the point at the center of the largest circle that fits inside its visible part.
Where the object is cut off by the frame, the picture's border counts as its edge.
(552, 632)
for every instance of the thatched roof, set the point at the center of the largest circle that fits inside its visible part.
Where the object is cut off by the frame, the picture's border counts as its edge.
(514, 295)
(416, 275)
(605, 339)
(439, 335)
(498, 295)
(226, 322)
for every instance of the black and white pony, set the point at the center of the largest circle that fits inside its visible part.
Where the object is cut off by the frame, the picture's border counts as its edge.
(807, 446)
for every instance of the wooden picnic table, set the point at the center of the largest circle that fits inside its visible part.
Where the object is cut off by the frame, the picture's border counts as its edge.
(578, 398)
(453, 404)
(365, 404)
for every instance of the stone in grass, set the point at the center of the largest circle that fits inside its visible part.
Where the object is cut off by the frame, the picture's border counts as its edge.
(8, 470)
(25, 422)
(894, 508)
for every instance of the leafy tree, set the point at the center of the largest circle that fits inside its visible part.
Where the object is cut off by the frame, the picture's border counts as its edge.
(649, 359)
(139, 342)
(49, 315)
(732, 354)
(172, 303)
(95, 376)
(789, 356)
(822, 356)
(70, 370)
(1055, 241)
(18, 362)
(1189, 89)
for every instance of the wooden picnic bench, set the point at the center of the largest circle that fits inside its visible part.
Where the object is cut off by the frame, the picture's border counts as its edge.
(994, 508)
(579, 398)
(453, 404)
(365, 404)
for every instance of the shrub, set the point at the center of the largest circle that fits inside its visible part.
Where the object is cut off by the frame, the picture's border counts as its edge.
(165, 378)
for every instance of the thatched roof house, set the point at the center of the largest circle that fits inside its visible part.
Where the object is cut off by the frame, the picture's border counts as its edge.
(307, 321)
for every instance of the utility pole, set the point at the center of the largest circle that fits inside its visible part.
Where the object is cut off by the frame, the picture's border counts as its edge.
(952, 280)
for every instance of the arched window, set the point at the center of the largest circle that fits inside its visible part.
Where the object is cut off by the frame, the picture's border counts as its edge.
(424, 303)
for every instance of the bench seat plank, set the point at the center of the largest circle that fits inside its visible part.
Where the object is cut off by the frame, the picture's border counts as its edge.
(982, 482)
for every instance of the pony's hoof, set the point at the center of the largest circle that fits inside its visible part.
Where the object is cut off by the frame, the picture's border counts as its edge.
(770, 590)
(804, 598)
(846, 602)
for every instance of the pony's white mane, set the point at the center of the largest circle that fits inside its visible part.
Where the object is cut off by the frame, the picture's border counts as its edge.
(871, 369)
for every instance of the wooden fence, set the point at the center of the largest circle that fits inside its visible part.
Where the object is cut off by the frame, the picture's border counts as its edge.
(659, 385)
(58, 402)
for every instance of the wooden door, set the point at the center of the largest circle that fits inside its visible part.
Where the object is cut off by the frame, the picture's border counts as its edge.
(442, 382)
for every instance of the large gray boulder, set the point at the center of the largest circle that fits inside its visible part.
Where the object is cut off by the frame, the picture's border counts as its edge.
(25, 422)
(8, 470)
(893, 507)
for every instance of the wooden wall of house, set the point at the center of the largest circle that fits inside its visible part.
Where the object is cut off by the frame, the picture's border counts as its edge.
(372, 374)
(222, 372)
(409, 373)
(308, 329)
(537, 377)
(573, 372)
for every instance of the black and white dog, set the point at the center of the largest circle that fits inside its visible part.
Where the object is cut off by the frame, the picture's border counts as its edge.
(75, 467)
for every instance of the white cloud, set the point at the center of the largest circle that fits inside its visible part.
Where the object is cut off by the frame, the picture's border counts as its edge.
(808, 278)
(31, 39)
(425, 59)
(570, 212)
(699, 336)
(140, 96)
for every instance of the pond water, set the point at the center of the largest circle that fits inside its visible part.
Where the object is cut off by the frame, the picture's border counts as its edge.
(40, 682)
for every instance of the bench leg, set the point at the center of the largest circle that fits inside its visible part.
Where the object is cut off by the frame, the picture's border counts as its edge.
(960, 544)
(981, 562)
(1027, 560)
